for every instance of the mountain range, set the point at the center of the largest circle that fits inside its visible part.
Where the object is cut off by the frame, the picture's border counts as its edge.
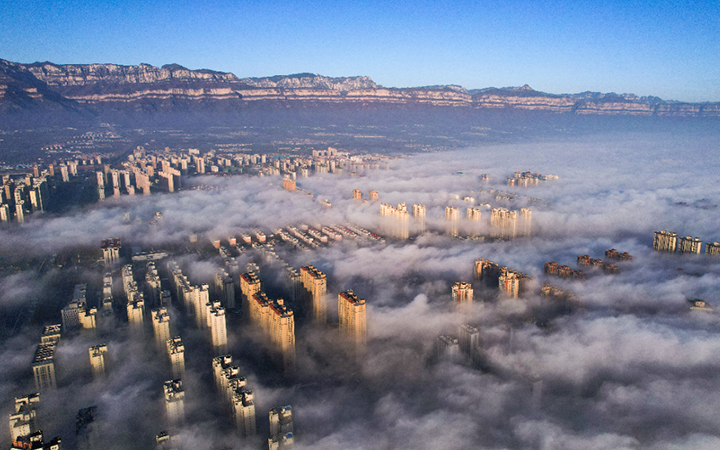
(97, 88)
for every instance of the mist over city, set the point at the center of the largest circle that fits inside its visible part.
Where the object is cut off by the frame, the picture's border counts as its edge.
(628, 364)
(378, 225)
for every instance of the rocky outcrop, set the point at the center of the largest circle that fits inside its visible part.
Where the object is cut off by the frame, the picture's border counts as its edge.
(109, 74)
(172, 86)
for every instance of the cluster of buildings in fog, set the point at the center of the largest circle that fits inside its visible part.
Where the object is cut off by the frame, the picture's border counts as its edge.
(145, 172)
(159, 301)
(668, 241)
(149, 302)
(528, 178)
(503, 224)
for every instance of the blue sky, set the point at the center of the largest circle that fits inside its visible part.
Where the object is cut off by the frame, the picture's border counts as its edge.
(666, 48)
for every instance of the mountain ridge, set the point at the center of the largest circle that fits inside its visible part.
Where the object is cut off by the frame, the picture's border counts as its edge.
(172, 87)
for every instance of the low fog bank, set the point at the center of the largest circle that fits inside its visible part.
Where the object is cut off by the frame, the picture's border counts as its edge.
(632, 368)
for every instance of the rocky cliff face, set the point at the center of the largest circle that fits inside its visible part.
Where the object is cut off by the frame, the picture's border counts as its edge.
(96, 86)
(86, 74)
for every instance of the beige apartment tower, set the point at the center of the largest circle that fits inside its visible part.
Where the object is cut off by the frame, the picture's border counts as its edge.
(111, 250)
(452, 215)
(44, 367)
(282, 335)
(352, 312)
(419, 215)
(665, 241)
(176, 353)
(218, 327)
(525, 221)
(243, 407)
(161, 326)
(712, 248)
(315, 284)
(512, 283)
(462, 293)
(281, 428)
(174, 402)
(249, 286)
(136, 313)
(503, 223)
(98, 359)
(690, 245)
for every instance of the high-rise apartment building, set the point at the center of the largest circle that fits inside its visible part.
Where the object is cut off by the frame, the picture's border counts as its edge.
(153, 284)
(503, 223)
(233, 390)
(111, 250)
(222, 372)
(71, 313)
(469, 340)
(174, 401)
(249, 286)
(44, 367)
(278, 323)
(218, 327)
(419, 214)
(76, 314)
(353, 318)
(315, 284)
(107, 296)
(712, 248)
(281, 428)
(357, 194)
(23, 422)
(282, 335)
(225, 288)
(136, 313)
(176, 353)
(373, 195)
(487, 271)
(51, 334)
(689, 244)
(161, 326)
(243, 408)
(447, 347)
(452, 215)
(98, 359)
(462, 292)
(525, 221)
(289, 184)
(665, 241)
(511, 282)
(474, 214)
(194, 297)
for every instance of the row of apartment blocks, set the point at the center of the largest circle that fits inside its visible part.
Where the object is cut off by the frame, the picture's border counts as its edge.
(510, 282)
(277, 320)
(555, 269)
(209, 315)
(281, 430)
(467, 344)
(504, 223)
(372, 195)
(586, 260)
(238, 400)
(20, 197)
(527, 178)
(668, 241)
